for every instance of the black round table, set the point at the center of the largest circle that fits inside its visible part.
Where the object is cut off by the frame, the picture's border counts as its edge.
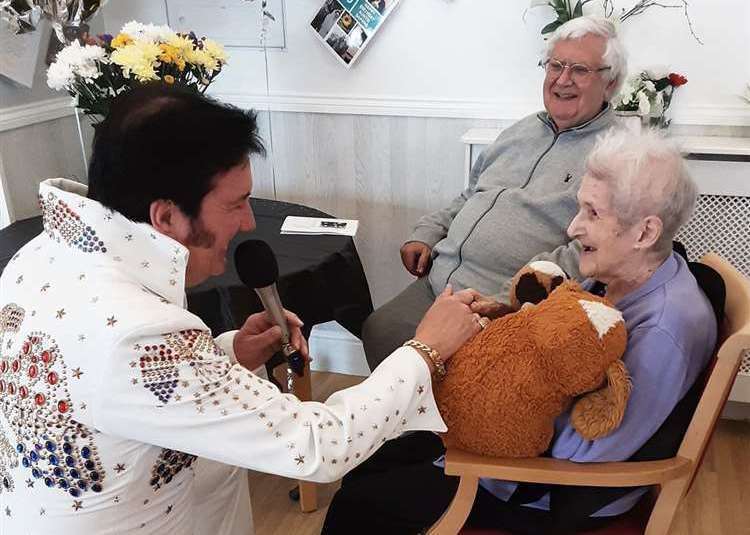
(320, 277)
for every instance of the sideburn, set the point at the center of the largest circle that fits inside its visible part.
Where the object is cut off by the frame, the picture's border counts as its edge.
(199, 235)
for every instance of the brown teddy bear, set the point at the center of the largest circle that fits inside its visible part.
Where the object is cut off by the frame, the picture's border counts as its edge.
(506, 386)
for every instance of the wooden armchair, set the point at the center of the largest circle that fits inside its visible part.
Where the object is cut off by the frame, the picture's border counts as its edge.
(672, 477)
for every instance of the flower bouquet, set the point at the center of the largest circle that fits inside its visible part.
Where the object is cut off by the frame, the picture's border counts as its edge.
(649, 94)
(95, 72)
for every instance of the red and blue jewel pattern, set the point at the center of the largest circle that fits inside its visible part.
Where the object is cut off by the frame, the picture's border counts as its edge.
(167, 465)
(8, 461)
(36, 405)
(62, 223)
(159, 363)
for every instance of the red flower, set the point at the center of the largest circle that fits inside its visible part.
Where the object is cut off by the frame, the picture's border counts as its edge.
(676, 80)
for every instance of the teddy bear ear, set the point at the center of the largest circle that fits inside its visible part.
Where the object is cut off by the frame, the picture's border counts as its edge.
(529, 289)
(534, 282)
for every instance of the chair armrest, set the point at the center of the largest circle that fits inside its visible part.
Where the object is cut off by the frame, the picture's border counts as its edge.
(560, 472)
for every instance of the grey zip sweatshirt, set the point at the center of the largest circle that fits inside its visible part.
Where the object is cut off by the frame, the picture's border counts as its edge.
(517, 207)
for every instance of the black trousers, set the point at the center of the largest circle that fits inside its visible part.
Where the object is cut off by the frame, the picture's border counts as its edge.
(399, 491)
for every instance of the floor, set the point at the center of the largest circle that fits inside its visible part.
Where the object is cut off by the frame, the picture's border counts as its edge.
(718, 504)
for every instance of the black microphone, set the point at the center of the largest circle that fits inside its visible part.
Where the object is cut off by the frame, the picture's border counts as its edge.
(257, 268)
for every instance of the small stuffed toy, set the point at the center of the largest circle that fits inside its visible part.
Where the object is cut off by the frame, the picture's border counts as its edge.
(506, 386)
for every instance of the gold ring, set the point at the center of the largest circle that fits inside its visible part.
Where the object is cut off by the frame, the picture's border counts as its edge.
(483, 322)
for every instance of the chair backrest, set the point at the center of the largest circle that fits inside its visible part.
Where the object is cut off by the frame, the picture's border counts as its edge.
(734, 337)
(735, 333)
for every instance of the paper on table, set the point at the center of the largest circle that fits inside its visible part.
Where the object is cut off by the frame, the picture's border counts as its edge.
(317, 225)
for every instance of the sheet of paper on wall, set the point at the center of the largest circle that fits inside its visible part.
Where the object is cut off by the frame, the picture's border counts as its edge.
(346, 27)
(317, 225)
(19, 54)
(229, 22)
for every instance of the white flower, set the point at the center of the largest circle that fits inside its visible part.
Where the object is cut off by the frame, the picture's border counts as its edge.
(60, 76)
(657, 72)
(158, 34)
(649, 86)
(133, 28)
(149, 32)
(629, 87)
(75, 60)
(644, 106)
(658, 104)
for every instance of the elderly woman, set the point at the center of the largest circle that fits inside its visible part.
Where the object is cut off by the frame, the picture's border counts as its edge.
(634, 197)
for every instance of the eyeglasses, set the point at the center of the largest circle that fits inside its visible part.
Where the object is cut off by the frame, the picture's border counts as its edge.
(577, 71)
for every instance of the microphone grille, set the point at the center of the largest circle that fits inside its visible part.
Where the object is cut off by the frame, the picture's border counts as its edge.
(256, 264)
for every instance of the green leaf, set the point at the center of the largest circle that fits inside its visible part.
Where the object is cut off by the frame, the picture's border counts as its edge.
(561, 8)
(578, 10)
(551, 27)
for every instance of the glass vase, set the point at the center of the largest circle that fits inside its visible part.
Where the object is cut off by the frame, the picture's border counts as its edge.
(630, 120)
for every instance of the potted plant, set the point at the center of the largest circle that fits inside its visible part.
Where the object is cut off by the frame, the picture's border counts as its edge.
(101, 68)
(647, 96)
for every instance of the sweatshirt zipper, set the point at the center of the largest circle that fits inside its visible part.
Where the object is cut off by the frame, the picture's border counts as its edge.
(531, 174)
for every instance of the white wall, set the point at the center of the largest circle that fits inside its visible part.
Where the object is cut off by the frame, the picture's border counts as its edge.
(482, 52)
(476, 58)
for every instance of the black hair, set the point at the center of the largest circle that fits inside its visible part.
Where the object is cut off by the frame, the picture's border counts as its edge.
(163, 142)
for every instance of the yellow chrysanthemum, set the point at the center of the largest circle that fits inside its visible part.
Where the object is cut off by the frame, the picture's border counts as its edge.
(121, 40)
(202, 58)
(171, 54)
(184, 45)
(216, 50)
(138, 58)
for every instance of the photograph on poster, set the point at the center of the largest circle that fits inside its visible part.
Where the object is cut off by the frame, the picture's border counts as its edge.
(381, 5)
(346, 22)
(327, 17)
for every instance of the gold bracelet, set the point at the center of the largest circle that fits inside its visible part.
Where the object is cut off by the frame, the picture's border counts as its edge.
(432, 354)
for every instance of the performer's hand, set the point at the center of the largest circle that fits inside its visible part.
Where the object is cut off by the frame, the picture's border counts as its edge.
(449, 322)
(416, 257)
(488, 307)
(259, 338)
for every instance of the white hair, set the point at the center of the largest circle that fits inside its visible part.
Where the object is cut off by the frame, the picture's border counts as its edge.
(614, 56)
(646, 175)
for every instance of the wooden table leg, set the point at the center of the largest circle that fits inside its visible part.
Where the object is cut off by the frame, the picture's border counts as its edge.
(308, 492)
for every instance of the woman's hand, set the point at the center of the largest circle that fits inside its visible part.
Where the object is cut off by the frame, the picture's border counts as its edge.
(416, 258)
(449, 322)
(259, 338)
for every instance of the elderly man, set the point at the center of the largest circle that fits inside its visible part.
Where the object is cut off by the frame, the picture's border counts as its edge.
(633, 198)
(119, 410)
(521, 193)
